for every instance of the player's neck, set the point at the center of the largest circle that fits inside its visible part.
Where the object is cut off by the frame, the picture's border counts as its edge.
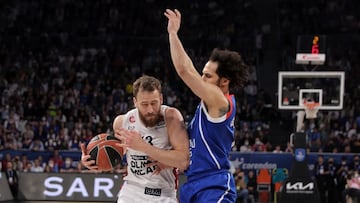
(224, 89)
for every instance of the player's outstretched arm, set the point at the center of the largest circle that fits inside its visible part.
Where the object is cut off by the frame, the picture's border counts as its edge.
(209, 93)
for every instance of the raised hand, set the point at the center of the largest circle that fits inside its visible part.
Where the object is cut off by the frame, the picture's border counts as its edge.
(174, 22)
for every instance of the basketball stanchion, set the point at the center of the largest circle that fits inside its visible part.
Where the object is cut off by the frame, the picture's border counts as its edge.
(307, 92)
(299, 187)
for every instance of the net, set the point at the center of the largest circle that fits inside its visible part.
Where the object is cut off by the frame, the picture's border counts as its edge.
(311, 109)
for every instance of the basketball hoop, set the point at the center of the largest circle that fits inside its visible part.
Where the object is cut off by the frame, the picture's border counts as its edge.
(311, 109)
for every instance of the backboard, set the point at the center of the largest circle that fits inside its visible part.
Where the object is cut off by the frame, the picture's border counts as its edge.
(323, 87)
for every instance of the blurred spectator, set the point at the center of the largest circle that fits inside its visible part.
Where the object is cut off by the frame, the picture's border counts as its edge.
(259, 146)
(321, 174)
(37, 145)
(17, 163)
(342, 175)
(353, 187)
(277, 149)
(79, 167)
(289, 148)
(27, 167)
(56, 161)
(332, 183)
(37, 167)
(241, 188)
(51, 166)
(74, 143)
(5, 161)
(355, 164)
(68, 165)
(13, 179)
(24, 162)
(252, 184)
(246, 146)
(314, 138)
(41, 161)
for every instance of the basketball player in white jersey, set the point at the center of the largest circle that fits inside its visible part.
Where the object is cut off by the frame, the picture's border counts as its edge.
(156, 143)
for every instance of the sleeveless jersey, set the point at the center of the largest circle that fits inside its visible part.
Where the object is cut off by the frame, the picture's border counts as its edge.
(137, 171)
(210, 140)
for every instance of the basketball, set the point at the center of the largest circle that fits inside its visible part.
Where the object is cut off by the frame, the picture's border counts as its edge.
(103, 149)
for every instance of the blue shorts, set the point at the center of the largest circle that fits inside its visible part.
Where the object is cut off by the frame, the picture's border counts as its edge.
(210, 188)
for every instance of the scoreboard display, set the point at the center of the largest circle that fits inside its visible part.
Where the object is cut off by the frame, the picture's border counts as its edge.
(311, 49)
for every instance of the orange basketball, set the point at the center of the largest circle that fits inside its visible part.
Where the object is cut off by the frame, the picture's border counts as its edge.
(103, 149)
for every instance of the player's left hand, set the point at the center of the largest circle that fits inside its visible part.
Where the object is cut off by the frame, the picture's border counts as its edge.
(174, 17)
(131, 139)
(86, 159)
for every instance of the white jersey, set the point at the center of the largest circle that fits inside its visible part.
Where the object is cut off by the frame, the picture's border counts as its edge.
(138, 172)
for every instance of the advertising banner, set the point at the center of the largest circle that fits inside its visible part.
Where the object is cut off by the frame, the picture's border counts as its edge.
(69, 186)
(255, 161)
(72, 187)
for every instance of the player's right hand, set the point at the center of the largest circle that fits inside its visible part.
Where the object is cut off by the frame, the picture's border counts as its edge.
(86, 159)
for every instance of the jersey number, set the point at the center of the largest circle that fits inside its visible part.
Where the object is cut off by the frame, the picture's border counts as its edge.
(148, 139)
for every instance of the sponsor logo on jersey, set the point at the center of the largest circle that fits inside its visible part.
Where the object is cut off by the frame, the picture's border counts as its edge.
(152, 191)
(132, 119)
(139, 165)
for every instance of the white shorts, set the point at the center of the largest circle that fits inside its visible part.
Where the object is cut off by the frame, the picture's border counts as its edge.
(139, 194)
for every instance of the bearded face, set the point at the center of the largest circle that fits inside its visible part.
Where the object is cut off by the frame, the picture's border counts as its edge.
(150, 119)
(149, 104)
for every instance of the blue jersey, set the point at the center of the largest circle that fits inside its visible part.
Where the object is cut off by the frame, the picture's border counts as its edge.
(210, 140)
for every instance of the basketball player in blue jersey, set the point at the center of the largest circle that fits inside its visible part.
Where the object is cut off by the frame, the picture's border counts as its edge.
(211, 131)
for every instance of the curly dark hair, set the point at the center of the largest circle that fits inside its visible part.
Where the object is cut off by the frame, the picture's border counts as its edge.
(231, 66)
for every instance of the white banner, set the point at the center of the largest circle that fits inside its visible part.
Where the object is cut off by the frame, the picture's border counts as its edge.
(72, 187)
(69, 186)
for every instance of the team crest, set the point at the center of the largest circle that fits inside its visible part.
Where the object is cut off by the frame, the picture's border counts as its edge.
(300, 154)
(132, 119)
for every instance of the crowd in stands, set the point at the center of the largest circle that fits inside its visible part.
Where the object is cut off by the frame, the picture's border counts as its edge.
(67, 70)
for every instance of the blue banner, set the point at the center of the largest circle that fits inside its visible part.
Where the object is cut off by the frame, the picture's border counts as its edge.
(258, 160)
(245, 161)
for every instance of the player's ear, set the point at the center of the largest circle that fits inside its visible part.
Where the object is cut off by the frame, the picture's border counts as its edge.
(161, 99)
(224, 82)
(134, 101)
